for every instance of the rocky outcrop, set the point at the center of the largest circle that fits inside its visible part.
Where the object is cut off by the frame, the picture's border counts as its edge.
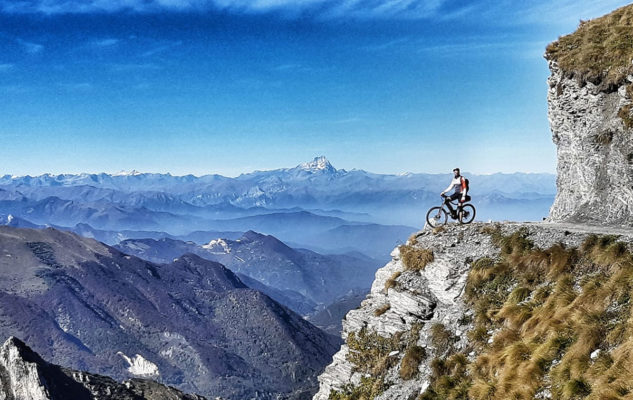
(590, 113)
(408, 308)
(24, 375)
(594, 149)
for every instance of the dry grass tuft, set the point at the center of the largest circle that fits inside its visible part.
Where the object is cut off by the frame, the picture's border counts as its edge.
(413, 239)
(392, 282)
(382, 309)
(546, 311)
(441, 338)
(414, 258)
(600, 51)
(490, 229)
(411, 361)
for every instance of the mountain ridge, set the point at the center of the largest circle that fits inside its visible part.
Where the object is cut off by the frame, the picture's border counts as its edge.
(193, 321)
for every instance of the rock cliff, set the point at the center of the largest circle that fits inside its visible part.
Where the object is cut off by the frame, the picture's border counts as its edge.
(465, 297)
(24, 375)
(589, 109)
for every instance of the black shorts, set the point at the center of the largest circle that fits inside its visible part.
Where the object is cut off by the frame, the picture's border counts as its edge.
(456, 196)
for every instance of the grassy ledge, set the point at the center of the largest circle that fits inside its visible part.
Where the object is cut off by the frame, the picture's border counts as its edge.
(600, 51)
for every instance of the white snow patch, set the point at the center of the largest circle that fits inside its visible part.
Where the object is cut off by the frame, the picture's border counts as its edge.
(127, 173)
(139, 366)
(9, 218)
(594, 354)
(217, 244)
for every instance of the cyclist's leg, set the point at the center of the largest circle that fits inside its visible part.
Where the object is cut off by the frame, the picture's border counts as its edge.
(448, 200)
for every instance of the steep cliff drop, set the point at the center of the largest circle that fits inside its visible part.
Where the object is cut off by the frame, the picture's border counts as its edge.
(519, 310)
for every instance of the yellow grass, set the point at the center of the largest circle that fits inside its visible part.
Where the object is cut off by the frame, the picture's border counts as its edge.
(549, 311)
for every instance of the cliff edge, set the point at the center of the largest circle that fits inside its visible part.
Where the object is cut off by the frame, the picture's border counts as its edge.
(492, 311)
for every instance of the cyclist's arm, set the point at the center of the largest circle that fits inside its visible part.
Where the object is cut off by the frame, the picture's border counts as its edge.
(464, 188)
(448, 188)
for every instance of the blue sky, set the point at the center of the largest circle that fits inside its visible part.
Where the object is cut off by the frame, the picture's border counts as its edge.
(229, 86)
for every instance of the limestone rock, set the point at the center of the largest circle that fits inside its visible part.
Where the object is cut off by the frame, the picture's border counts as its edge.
(594, 151)
(434, 296)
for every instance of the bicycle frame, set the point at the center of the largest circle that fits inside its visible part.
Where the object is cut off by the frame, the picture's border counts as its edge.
(456, 203)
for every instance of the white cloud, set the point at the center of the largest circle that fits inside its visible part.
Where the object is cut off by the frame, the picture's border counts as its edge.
(538, 11)
(5, 67)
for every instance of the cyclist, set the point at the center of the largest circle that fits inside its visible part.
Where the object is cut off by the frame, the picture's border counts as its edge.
(461, 191)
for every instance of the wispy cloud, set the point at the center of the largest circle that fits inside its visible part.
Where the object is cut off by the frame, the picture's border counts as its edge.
(332, 8)
(109, 42)
(31, 47)
(5, 67)
(160, 48)
(537, 11)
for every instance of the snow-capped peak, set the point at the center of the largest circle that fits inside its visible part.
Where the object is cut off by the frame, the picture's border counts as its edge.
(318, 164)
(127, 173)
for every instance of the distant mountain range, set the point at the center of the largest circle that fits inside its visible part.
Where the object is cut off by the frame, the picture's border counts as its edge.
(320, 279)
(191, 323)
(312, 205)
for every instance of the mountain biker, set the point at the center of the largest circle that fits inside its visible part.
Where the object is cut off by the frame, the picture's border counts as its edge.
(461, 191)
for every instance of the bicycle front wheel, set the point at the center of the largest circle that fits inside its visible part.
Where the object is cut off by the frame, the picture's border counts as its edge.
(436, 216)
(466, 214)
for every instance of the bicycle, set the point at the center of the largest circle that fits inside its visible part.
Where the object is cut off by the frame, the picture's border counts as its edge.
(464, 213)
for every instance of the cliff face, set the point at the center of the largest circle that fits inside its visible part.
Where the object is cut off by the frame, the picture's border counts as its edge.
(525, 308)
(591, 116)
(413, 301)
(24, 375)
(594, 149)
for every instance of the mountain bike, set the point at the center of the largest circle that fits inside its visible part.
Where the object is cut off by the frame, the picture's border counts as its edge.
(464, 213)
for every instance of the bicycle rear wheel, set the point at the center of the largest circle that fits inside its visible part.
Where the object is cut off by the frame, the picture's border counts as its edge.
(466, 214)
(436, 216)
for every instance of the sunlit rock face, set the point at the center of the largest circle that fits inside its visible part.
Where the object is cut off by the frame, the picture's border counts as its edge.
(594, 149)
